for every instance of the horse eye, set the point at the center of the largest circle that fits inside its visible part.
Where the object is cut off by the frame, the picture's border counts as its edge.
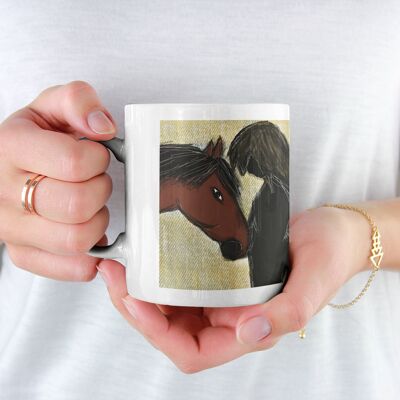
(217, 194)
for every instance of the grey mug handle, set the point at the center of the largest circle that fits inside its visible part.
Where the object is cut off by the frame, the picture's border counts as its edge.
(117, 249)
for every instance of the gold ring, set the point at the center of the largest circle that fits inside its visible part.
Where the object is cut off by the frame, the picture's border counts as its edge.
(25, 191)
(30, 192)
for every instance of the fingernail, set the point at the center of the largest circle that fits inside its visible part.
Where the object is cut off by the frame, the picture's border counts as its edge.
(253, 330)
(130, 307)
(100, 123)
(103, 274)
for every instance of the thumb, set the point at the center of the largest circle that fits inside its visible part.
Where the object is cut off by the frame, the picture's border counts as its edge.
(75, 107)
(308, 289)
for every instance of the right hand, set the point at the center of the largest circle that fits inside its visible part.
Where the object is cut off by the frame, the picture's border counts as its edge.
(42, 138)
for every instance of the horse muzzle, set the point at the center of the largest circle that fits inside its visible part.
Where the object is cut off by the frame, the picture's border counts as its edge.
(232, 249)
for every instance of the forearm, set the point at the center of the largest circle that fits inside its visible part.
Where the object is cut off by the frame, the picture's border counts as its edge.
(386, 215)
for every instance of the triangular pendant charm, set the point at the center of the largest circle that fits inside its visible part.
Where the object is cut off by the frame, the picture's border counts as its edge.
(376, 250)
(376, 262)
(376, 236)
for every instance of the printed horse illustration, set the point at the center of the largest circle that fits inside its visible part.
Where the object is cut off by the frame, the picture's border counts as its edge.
(262, 150)
(204, 188)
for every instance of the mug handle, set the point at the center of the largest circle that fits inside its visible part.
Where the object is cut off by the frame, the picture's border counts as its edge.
(117, 249)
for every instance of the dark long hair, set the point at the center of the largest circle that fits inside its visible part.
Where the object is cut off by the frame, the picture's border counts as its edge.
(262, 149)
(263, 144)
(191, 165)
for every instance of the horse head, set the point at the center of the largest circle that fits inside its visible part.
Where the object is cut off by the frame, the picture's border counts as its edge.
(207, 193)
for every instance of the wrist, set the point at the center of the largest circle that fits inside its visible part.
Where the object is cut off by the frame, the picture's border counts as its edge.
(362, 243)
(357, 231)
(360, 223)
(386, 216)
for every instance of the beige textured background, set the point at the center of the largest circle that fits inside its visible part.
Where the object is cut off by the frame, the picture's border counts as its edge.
(188, 258)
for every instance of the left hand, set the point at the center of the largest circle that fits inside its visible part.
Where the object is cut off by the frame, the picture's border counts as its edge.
(327, 247)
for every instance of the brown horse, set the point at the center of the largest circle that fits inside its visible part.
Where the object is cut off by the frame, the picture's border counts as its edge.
(203, 187)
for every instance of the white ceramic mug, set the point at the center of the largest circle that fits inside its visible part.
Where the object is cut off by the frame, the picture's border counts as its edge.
(207, 203)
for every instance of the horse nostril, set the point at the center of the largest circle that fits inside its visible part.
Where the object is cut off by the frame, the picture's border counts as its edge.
(231, 249)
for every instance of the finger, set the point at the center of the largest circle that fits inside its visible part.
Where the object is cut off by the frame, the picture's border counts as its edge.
(63, 239)
(65, 202)
(78, 106)
(52, 154)
(80, 268)
(209, 346)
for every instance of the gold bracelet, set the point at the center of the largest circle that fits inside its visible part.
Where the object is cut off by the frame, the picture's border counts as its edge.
(376, 256)
(376, 252)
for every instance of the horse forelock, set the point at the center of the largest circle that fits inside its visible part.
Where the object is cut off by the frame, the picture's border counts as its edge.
(228, 177)
(189, 164)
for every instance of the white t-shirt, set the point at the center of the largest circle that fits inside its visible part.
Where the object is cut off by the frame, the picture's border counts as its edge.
(336, 63)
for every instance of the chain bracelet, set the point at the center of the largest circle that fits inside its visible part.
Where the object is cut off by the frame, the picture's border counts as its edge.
(376, 256)
(376, 252)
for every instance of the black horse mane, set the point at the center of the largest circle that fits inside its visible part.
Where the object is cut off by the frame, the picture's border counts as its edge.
(191, 165)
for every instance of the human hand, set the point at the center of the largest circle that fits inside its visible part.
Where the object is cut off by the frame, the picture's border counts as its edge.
(327, 247)
(42, 138)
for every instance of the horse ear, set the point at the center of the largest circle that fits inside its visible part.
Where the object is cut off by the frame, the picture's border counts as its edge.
(218, 148)
(209, 148)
